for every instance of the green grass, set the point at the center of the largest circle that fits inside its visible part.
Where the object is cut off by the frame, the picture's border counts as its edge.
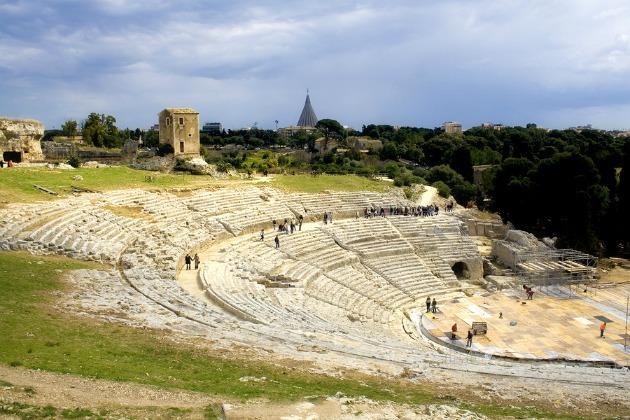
(317, 184)
(35, 335)
(16, 184)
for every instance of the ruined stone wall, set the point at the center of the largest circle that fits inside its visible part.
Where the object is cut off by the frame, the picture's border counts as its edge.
(19, 139)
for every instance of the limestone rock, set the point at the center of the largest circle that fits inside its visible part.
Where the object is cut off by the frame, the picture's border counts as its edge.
(19, 139)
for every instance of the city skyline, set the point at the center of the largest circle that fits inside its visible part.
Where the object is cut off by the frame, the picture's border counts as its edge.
(554, 63)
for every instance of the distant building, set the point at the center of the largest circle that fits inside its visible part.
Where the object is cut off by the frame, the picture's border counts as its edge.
(155, 127)
(452, 127)
(581, 128)
(212, 127)
(179, 127)
(306, 123)
(492, 126)
(307, 117)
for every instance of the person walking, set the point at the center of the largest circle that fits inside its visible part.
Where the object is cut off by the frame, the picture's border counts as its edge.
(273, 222)
(434, 306)
(187, 260)
(262, 235)
(428, 304)
(277, 241)
(469, 338)
(454, 331)
(300, 220)
(602, 329)
(325, 218)
(197, 261)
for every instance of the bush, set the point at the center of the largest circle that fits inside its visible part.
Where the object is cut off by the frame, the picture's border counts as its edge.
(223, 166)
(165, 149)
(442, 188)
(464, 193)
(74, 161)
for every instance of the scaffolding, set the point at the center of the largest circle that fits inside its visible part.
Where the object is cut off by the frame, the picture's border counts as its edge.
(549, 267)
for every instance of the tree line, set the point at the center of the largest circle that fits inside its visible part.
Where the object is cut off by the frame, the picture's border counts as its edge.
(569, 184)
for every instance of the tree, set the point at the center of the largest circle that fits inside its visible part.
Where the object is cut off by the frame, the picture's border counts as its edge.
(330, 128)
(101, 131)
(69, 128)
(623, 193)
(461, 161)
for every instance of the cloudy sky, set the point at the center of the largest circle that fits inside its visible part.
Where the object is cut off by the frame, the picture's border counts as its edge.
(419, 62)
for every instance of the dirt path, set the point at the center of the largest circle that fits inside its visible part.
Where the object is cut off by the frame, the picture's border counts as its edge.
(41, 388)
(19, 386)
(428, 196)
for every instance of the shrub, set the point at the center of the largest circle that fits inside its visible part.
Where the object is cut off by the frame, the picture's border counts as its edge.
(442, 188)
(223, 166)
(74, 161)
(165, 149)
(464, 192)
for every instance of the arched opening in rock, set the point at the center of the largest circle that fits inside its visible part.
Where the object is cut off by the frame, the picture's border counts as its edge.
(461, 270)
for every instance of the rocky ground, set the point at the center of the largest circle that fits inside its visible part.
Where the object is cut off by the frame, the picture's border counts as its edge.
(21, 390)
(111, 301)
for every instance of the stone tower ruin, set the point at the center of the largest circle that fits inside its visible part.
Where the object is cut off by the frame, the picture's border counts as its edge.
(179, 127)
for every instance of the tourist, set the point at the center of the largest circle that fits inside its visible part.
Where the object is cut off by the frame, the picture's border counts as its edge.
(273, 222)
(292, 226)
(469, 338)
(262, 235)
(188, 260)
(197, 260)
(277, 241)
(602, 329)
(454, 331)
(500, 315)
(434, 306)
(325, 218)
(330, 217)
(428, 304)
(300, 220)
(1, 163)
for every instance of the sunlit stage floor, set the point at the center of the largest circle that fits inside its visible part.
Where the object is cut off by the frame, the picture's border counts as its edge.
(558, 323)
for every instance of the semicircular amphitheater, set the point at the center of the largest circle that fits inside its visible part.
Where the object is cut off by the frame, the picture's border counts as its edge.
(348, 293)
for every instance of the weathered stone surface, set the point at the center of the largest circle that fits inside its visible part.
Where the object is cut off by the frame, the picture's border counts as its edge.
(19, 139)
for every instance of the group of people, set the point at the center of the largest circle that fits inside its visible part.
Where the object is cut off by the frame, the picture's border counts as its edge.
(289, 226)
(422, 211)
(431, 305)
(189, 260)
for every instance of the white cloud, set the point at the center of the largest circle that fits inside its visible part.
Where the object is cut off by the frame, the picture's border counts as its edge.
(407, 62)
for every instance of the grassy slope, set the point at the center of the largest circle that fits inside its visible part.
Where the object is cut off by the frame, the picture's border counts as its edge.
(38, 336)
(315, 184)
(16, 184)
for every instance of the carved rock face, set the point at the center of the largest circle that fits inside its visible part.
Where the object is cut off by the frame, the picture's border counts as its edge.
(21, 136)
